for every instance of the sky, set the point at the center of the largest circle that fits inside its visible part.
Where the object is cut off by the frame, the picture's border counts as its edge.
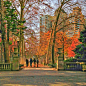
(83, 7)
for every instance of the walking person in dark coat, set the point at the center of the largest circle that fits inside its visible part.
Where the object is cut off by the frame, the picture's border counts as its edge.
(34, 62)
(37, 62)
(31, 62)
(27, 62)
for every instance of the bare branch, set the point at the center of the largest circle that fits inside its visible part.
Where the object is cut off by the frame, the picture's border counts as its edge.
(64, 20)
(15, 7)
(69, 24)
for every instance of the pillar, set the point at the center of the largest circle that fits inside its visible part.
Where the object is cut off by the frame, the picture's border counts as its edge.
(60, 60)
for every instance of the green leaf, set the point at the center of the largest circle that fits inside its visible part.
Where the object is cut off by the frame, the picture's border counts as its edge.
(21, 23)
(1, 42)
(78, 46)
(10, 42)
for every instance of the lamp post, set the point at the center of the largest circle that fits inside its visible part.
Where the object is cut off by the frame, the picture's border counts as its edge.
(18, 45)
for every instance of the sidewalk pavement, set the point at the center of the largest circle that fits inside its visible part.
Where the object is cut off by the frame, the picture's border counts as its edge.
(42, 76)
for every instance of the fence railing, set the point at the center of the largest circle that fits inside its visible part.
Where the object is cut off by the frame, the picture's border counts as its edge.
(5, 66)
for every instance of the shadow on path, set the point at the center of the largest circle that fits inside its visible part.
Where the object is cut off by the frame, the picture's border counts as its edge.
(42, 77)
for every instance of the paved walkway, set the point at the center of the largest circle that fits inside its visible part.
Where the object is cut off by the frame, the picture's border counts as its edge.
(43, 76)
(39, 65)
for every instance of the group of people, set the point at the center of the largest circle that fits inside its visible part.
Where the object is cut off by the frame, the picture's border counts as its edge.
(31, 61)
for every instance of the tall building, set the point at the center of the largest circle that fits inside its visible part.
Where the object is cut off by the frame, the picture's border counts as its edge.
(45, 23)
(77, 19)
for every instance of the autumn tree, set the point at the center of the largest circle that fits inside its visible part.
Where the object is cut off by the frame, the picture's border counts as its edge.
(63, 4)
(31, 45)
(75, 42)
(44, 42)
(29, 11)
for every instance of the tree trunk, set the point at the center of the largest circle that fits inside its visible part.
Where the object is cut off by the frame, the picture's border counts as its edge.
(7, 59)
(59, 10)
(21, 36)
(6, 54)
(47, 58)
(7, 43)
(3, 30)
(53, 54)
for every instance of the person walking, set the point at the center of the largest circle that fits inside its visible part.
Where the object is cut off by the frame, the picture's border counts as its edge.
(37, 62)
(34, 62)
(26, 62)
(31, 62)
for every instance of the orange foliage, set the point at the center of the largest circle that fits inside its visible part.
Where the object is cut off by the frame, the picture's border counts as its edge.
(10, 39)
(44, 42)
(31, 45)
(69, 43)
(0, 40)
(75, 42)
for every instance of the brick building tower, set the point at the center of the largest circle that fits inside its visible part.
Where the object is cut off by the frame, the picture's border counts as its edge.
(78, 21)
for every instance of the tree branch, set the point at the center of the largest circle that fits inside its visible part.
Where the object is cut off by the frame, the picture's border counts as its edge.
(64, 20)
(69, 24)
(15, 7)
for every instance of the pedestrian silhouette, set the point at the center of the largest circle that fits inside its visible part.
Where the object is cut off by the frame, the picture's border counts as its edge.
(31, 62)
(37, 62)
(34, 62)
(27, 62)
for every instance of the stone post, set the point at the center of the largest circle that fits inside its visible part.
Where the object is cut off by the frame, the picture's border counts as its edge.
(60, 60)
(15, 65)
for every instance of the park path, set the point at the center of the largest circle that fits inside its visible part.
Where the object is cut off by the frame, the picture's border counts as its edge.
(42, 76)
(39, 65)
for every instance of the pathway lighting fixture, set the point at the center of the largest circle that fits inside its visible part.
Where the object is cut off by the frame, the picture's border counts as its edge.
(18, 45)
